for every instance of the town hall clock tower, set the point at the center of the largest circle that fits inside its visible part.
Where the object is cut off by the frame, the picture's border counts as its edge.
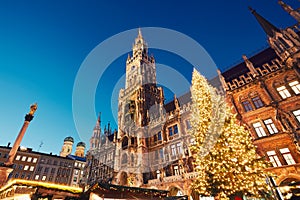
(140, 95)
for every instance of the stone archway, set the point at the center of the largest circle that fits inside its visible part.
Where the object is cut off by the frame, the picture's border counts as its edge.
(285, 178)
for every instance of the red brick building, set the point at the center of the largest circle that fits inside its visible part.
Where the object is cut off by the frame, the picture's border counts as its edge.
(264, 91)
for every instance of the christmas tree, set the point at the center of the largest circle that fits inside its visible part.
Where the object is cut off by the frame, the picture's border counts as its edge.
(225, 156)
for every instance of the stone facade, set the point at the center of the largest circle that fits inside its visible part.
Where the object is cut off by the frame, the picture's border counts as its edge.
(100, 157)
(43, 167)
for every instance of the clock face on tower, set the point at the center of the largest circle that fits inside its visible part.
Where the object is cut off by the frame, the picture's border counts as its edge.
(133, 67)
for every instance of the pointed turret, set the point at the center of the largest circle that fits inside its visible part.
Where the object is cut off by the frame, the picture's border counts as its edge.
(285, 42)
(95, 139)
(140, 33)
(294, 13)
(250, 66)
(222, 79)
(269, 28)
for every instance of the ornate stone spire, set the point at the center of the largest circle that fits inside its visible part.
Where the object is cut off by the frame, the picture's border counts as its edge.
(294, 13)
(222, 79)
(269, 28)
(250, 66)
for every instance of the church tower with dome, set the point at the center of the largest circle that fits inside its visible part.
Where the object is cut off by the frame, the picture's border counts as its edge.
(67, 147)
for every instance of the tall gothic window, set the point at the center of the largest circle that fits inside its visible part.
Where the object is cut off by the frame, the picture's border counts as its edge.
(179, 148)
(173, 150)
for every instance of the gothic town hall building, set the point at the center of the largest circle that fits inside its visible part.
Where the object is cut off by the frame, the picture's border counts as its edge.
(151, 146)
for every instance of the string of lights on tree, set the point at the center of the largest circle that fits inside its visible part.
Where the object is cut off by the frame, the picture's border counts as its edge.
(225, 156)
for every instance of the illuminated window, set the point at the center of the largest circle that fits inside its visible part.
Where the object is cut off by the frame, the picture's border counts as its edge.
(295, 86)
(247, 106)
(179, 148)
(26, 167)
(29, 159)
(176, 171)
(259, 129)
(36, 177)
(34, 160)
(173, 150)
(24, 158)
(270, 126)
(157, 174)
(31, 168)
(18, 157)
(274, 159)
(284, 93)
(44, 178)
(297, 114)
(257, 102)
(287, 156)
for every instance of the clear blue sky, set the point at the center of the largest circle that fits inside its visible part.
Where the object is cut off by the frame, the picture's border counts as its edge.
(43, 44)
